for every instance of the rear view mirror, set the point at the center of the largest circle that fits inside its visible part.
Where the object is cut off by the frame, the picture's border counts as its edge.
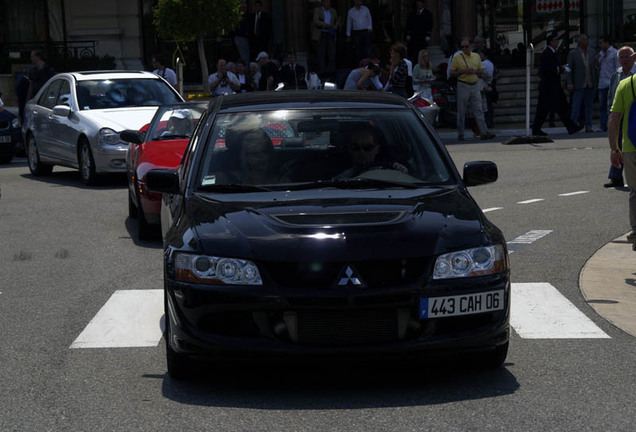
(131, 136)
(480, 172)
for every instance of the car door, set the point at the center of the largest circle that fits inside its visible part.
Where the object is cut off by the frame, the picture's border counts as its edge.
(42, 114)
(64, 128)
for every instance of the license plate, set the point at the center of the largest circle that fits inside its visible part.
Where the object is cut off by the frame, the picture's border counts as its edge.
(466, 304)
(5, 139)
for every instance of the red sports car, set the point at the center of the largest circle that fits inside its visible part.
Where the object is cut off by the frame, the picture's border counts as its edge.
(159, 144)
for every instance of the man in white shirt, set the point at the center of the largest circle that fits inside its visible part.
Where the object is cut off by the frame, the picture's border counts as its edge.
(163, 71)
(360, 28)
(223, 82)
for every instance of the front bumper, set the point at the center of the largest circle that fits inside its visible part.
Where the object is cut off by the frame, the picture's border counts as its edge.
(237, 321)
(110, 159)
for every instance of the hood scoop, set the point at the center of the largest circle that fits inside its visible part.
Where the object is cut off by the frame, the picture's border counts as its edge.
(339, 219)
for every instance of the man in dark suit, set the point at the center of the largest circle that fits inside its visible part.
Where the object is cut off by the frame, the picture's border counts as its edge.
(260, 28)
(292, 74)
(582, 80)
(419, 26)
(551, 96)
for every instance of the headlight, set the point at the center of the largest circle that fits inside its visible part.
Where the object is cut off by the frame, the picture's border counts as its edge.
(15, 123)
(109, 136)
(216, 270)
(471, 262)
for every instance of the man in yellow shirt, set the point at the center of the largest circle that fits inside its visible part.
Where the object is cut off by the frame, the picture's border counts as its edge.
(626, 158)
(466, 67)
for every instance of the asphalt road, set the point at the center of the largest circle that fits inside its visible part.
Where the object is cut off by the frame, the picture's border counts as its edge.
(66, 249)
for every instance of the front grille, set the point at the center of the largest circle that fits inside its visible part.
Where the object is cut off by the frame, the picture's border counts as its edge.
(339, 219)
(337, 328)
(4, 124)
(325, 275)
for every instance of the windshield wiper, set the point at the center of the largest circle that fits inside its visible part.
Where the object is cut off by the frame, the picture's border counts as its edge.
(232, 188)
(171, 136)
(354, 183)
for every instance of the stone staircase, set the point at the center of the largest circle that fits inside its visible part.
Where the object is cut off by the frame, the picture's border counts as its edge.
(511, 107)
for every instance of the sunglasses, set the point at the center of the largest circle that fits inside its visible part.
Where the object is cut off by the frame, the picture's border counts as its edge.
(366, 147)
(465, 46)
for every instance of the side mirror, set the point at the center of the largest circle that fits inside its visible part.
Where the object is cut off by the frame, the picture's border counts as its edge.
(131, 136)
(480, 172)
(163, 181)
(62, 110)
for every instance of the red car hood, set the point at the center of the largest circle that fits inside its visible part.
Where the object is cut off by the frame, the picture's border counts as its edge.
(160, 154)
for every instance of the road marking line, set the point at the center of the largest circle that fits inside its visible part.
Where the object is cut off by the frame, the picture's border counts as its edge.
(530, 236)
(574, 193)
(540, 311)
(130, 318)
(491, 209)
(530, 201)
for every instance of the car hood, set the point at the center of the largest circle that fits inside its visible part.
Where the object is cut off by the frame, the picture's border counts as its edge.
(343, 225)
(160, 154)
(119, 119)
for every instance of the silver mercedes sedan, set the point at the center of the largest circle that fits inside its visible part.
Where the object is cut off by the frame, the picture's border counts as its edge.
(76, 118)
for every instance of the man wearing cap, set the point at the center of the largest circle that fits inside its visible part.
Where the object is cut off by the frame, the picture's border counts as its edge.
(625, 158)
(551, 96)
(269, 72)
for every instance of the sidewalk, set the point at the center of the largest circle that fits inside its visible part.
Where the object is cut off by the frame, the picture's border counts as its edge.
(608, 283)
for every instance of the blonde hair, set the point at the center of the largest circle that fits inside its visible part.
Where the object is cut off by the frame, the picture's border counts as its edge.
(420, 58)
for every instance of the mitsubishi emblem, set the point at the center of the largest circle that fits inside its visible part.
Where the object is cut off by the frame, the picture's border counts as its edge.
(350, 277)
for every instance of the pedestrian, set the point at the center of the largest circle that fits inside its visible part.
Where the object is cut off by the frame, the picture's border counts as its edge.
(551, 95)
(244, 78)
(292, 74)
(626, 157)
(242, 34)
(39, 74)
(323, 33)
(399, 71)
(419, 27)
(364, 77)
(488, 89)
(260, 27)
(269, 72)
(467, 68)
(360, 30)
(223, 82)
(582, 81)
(626, 59)
(423, 74)
(22, 89)
(255, 74)
(163, 71)
(607, 61)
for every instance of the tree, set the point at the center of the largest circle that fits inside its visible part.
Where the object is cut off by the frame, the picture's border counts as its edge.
(190, 20)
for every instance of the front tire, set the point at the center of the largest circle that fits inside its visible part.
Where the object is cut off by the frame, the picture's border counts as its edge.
(494, 359)
(36, 167)
(86, 163)
(180, 367)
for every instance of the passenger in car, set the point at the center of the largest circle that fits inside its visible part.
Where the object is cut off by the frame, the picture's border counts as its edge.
(364, 145)
(256, 159)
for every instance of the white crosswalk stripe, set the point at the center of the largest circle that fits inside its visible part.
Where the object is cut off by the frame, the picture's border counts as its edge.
(134, 318)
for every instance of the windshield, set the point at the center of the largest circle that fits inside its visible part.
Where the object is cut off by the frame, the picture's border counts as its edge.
(304, 148)
(175, 122)
(121, 93)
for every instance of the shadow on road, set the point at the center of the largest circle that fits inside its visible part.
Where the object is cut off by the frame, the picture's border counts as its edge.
(338, 385)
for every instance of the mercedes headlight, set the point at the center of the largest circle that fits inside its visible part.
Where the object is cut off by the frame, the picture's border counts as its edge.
(109, 136)
(213, 270)
(471, 262)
